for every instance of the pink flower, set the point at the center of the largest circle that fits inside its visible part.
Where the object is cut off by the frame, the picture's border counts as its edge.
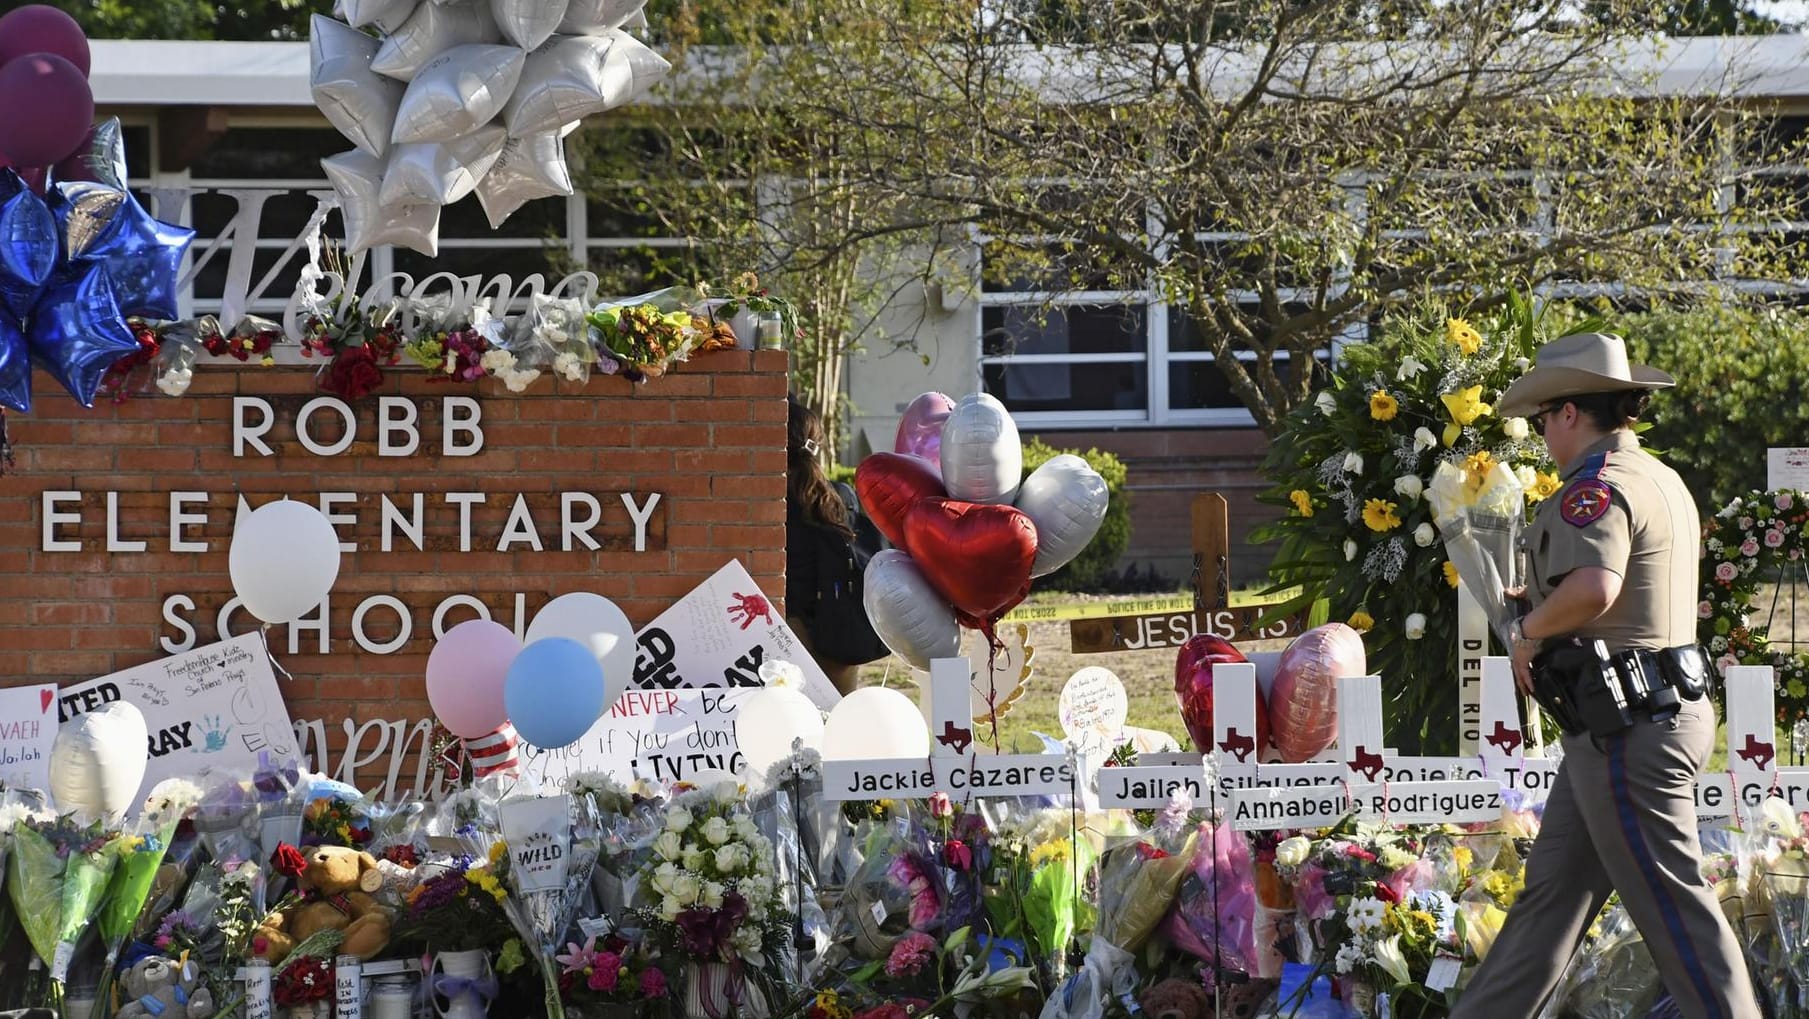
(910, 954)
(575, 958)
(1774, 539)
(1726, 572)
(1783, 501)
(940, 805)
(1745, 523)
(1795, 554)
(957, 855)
(606, 970)
(653, 982)
(1726, 662)
(1704, 610)
(1749, 547)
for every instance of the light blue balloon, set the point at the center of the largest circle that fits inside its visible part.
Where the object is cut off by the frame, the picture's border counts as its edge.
(554, 692)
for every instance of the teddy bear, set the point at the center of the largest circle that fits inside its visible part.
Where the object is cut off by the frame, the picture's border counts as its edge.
(159, 987)
(336, 883)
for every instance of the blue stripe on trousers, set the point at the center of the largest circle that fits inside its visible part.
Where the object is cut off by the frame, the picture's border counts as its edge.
(1636, 843)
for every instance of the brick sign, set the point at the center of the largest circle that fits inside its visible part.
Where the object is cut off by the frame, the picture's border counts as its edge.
(449, 501)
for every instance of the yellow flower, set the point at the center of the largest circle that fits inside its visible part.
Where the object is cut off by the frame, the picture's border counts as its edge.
(1450, 573)
(1361, 621)
(1379, 516)
(1049, 852)
(1462, 335)
(1303, 503)
(267, 361)
(1476, 470)
(498, 851)
(1465, 406)
(1544, 487)
(1464, 857)
(1383, 407)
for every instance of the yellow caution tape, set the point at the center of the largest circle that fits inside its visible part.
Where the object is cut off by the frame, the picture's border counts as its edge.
(1098, 609)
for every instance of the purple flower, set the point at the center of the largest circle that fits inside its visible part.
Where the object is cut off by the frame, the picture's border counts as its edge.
(653, 982)
(707, 931)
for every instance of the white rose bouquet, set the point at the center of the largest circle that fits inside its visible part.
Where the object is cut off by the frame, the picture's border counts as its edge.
(709, 890)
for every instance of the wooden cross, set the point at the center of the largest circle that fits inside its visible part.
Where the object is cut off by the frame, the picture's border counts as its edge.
(1212, 612)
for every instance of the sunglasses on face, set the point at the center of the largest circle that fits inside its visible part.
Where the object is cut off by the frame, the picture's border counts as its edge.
(1538, 420)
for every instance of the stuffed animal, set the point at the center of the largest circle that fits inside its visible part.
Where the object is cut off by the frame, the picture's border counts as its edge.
(159, 988)
(337, 884)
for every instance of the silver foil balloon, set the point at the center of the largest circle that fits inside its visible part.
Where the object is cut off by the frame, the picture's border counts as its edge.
(440, 173)
(28, 244)
(1066, 500)
(594, 17)
(77, 331)
(355, 99)
(103, 160)
(528, 23)
(84, 210)
(388, 15)
(358, 177)
(907, 612)
(572, 77)
(529, 168)
(456, 93)
(982, 459)
(432, 30)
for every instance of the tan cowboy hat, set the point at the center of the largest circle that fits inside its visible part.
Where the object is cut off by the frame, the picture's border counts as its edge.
(1575, 365)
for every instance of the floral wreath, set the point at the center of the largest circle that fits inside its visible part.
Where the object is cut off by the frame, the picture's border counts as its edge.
(1752, 538)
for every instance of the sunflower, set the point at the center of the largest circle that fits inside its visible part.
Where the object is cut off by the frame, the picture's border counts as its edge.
(1361, 621)
(1303, 503)
(1450, 569)
(1379, 515)
(1383, 407)
(1544, 487)
(1463, 335)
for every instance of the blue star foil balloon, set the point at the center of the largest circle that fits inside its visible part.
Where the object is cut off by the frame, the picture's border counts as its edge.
(15, 367)
(143, 256)
(28, 245)
(77, 332)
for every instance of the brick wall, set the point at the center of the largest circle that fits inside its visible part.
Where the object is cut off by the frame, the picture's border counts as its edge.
(709, 438)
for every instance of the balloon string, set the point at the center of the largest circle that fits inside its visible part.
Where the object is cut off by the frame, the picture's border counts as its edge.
(264, 635)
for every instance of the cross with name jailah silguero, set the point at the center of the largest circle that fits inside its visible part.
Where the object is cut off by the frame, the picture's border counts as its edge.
(1212, 612)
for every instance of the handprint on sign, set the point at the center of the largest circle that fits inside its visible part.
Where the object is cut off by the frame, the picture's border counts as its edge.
(214, 737)
(749, 607)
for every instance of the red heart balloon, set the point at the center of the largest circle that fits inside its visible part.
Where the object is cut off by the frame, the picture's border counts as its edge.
(1193, 691)
(889, 484)
(978, 556)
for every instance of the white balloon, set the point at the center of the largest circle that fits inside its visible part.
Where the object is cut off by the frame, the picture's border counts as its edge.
(97, 762)
(283, 560)
(916, 622)
(388, 15)
(875, 722)
(572, 77)
(594, 17)
(529, 168)
(597, 623)
(982, 459)
(528, 23)
(356, 100)
(1066, 500)
(440, 173)
(431, 30)
(358, 177)
(767, 722)
(456, 93)
(710, 778)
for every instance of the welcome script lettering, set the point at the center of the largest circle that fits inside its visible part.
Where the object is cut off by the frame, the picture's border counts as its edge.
(401, 520)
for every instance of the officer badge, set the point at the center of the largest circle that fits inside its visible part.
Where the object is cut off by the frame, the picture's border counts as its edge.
(1584, 503)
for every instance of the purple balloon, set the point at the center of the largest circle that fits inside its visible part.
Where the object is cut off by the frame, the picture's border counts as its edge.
(49, 109)
(40, 28)
(920, 430)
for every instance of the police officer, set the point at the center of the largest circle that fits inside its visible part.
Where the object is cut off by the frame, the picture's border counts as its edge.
(1613, 557)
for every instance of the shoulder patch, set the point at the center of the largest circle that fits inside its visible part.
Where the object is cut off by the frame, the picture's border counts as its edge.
(1584, 502)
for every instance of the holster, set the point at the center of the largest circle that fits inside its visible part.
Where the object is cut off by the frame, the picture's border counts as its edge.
(1585, 688)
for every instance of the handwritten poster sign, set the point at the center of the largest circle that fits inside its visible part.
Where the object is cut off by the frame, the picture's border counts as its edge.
(659, 735)
(718, 636)
(1092, 707)
(215, 707)
(28, 729)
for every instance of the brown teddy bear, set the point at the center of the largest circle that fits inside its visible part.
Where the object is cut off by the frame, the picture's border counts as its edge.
(336, 883)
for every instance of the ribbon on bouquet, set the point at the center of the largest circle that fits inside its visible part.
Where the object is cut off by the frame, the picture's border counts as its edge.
(450, 987)
(731, 990)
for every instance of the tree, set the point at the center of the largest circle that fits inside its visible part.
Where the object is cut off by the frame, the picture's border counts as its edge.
(1281, 171)
(195, 19)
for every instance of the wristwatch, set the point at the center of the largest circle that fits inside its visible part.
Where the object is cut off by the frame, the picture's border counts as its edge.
(1517, 632)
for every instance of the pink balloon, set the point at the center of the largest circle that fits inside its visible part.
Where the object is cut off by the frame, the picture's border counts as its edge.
(40, 28)
(920, 429)
(49, 109)
(1303, 705)
(465, 677)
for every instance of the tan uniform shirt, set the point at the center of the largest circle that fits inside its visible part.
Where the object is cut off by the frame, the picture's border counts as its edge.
(1622, 510)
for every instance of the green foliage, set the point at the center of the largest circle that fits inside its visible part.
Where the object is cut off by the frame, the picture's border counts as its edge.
(272, 20)
(1354, 544)
(1092, 566)
(1740, 376)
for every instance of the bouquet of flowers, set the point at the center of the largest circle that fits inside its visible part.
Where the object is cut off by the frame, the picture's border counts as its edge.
(307, 981)
(1480, 506)
(553, 335)
(644, 336)
(1215, 912)
(614, 971)
(140, 858)
(1035, 886)
(57, 876)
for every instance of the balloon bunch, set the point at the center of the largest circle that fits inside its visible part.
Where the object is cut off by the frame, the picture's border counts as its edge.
(464, 96)
(550, 689)
(75, 264)
(969, 530)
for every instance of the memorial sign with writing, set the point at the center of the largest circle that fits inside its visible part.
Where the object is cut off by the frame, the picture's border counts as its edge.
(718, 636)
(538, 830)
(1787, 467)
(961, 778)
(659, 735)
(1152, 788)
(1092, 708)
(214, 708)
(28, 729)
